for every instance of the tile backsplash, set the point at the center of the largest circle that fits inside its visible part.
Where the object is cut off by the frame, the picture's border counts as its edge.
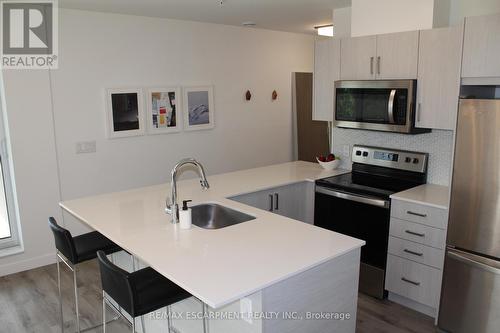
(438, 143)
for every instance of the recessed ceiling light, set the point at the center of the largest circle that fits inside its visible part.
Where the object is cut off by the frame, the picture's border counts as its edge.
(325, 30)
(249, 24)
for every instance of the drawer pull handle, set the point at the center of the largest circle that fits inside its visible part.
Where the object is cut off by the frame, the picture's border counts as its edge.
(413, 252)
(414, 233)
(416, 214)
(410, 281)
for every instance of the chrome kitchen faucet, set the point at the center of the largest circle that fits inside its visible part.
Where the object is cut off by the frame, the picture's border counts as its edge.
(172, 206)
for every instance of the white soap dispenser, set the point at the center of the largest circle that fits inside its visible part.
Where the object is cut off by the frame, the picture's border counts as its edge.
(185, 215)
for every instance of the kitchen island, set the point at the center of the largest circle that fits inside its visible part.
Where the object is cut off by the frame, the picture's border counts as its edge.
(272, 264)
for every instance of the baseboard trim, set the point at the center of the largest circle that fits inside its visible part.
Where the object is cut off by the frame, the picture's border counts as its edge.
(24, 265)
(422, 308)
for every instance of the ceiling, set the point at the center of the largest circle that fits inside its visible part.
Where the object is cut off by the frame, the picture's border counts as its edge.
(285, 15)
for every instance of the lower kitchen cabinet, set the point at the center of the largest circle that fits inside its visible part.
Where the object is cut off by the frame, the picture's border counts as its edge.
(415, 256)
(261, 199)
(417, 282)
(295, 201)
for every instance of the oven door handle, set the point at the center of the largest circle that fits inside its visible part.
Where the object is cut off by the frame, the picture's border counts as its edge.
(390, 106)
(353, 197)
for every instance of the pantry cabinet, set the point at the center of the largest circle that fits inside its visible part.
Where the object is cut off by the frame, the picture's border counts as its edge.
(438, 87)
(481, 47)
(388, 56)
(326, 72)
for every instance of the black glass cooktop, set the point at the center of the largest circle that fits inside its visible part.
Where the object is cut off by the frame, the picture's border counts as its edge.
(373, 181)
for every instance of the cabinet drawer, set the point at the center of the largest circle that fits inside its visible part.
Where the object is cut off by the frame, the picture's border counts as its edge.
(417, 252)
(418, 233)
(413, 280)
(431, 216)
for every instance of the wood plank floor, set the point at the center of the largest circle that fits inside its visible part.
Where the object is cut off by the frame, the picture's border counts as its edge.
(29, 303)
(376, 316)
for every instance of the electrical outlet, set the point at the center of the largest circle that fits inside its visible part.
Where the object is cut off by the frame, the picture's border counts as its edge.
(246, 310)
(86, 147)
(346, 151)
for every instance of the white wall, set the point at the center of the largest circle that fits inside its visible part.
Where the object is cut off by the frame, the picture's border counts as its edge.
(371, 17)
(463, 8)
(342, 22)
(441, 13)
(35, 170)
(100, 50)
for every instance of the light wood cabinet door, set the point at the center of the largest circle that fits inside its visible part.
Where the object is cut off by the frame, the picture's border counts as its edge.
(326, 72)
(397, 55)
(261, 199)
(482, 46)
(295, 201)
(438, 84)
(413, 280)
(357, 56)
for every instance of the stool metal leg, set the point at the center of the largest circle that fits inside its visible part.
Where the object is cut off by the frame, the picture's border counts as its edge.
(169, 320)
(143, 325)
(61, 258)
(134, 268)
(133, 325)
(205, 318)
(76, 301)
(103, 313)
(59, 291)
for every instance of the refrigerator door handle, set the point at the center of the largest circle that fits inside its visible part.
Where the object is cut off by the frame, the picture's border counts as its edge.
(473, 260)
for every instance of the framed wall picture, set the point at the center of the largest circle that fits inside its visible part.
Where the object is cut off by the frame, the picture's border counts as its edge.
(199, 109)
(163, 110)
(125, 112)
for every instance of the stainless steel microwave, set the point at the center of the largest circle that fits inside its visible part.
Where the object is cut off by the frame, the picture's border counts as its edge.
(379, 105)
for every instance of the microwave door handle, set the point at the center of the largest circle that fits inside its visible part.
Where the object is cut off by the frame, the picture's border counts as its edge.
(390, 106)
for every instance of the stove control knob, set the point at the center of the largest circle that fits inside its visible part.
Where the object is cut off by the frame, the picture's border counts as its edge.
(358, 152)
(365, 153)
(415, 161)
(408, 160)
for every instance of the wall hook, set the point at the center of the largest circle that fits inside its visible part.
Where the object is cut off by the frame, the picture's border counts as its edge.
(274, 96)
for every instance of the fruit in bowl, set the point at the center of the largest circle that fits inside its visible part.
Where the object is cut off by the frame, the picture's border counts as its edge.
(329, 162)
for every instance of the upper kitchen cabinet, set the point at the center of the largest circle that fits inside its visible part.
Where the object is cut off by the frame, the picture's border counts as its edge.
(482, 46)
(389, 56)
(326, 72)
(397, 55)
(358, 58)
(438, 84)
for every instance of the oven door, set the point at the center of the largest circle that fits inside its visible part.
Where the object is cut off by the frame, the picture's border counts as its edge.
(385, 105)
(362, 217)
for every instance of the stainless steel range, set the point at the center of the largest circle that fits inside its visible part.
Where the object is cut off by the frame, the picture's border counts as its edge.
(358, 204)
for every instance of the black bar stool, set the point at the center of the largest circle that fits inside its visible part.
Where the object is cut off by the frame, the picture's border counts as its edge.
(139, 292)
(73, 251)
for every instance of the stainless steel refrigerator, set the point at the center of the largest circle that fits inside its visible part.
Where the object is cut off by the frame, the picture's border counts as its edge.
(470, 297)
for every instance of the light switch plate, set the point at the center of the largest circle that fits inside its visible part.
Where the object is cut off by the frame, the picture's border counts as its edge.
(86, 147)
(246, 309)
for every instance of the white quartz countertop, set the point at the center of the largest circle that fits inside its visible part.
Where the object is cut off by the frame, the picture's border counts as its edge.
(223, 265)
(427, 194)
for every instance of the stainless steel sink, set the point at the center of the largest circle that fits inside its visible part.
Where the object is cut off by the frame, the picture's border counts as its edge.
(214, 216)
